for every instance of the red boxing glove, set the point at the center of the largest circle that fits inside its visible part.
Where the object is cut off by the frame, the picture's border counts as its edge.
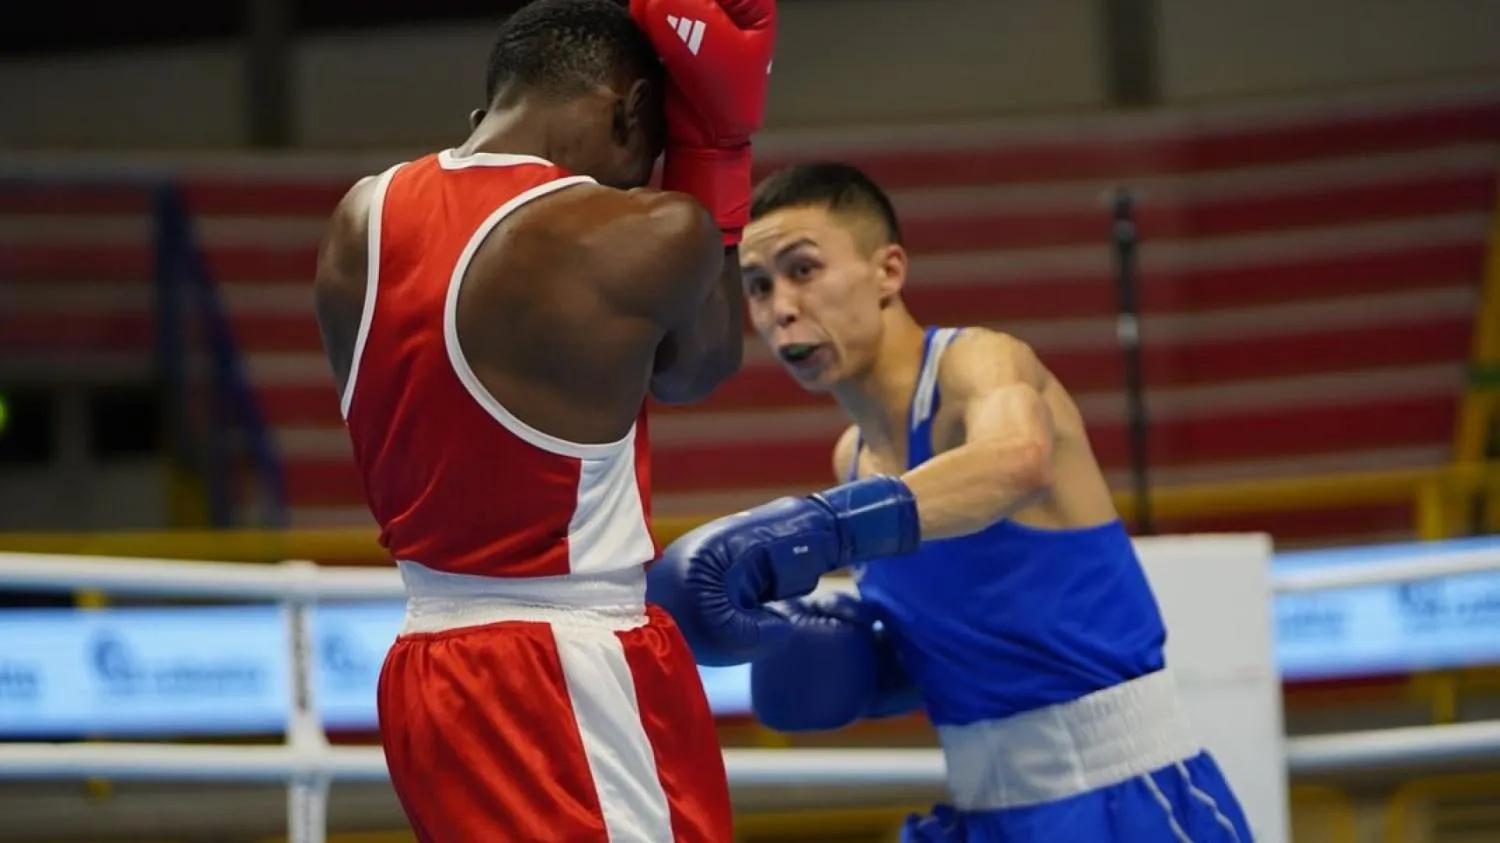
(718, 57)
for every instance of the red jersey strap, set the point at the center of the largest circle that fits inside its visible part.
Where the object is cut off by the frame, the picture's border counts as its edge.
(374, 215)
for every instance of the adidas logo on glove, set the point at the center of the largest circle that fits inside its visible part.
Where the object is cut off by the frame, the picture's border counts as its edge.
(690, 31)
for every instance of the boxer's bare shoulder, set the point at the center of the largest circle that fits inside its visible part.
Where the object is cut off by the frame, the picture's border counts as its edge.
(980, 359)
(652, 254)
(845, 453)
(995, 386)
(661, 283)
(568, 303)
(984, 375)
(340, 281)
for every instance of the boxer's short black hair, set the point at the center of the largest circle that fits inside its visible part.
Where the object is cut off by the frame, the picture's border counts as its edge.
(566, 47)
(838, 187)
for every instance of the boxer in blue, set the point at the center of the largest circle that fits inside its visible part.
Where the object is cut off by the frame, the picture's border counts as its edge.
(997, 587)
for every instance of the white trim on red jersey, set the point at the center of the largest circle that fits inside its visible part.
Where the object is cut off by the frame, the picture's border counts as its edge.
(609, 518)
(372, 284)
(449, 159)
(507, 419)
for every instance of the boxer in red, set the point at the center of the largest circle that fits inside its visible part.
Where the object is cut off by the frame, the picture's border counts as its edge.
(496, 316)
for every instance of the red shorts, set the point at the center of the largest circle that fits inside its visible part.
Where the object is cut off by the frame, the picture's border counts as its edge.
(553, 731)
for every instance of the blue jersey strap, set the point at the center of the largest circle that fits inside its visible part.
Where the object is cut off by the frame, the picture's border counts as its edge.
(926, 398)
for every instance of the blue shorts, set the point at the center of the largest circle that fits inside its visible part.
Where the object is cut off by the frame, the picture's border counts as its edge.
(1188, 802)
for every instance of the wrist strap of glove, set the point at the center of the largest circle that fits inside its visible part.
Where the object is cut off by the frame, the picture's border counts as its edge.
(719, 178)
(877, 516)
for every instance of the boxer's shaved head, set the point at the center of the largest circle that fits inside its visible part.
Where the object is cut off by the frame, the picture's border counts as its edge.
(568, 47)
(580, 80)
(842, 189)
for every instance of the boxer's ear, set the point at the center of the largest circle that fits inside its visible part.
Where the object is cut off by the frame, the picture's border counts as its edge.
(638, 100)
(891, 265)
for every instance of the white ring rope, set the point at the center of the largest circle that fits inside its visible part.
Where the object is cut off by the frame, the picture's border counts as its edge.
(792, 769)
(240, 581)
(307, 764)
(1436, 564)
(305, 581)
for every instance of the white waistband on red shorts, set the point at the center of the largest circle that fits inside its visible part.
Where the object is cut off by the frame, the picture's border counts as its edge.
(437, 601)
(1068, 749)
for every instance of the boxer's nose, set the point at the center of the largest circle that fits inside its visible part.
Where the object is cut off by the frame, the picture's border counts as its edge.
(786, 304)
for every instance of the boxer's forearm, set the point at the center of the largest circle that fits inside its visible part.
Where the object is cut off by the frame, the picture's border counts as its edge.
(975, 485)
(692, 362)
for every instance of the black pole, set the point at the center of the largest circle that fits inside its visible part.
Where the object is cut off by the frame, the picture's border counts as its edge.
(1132, 72)
(269, 99)
(1124, 239)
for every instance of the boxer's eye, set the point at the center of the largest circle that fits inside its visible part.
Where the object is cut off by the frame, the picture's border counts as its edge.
(801, 271)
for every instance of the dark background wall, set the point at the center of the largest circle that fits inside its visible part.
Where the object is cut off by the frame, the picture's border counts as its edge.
(369, 76)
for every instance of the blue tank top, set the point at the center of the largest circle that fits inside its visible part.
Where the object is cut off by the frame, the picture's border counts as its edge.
(1012, 618)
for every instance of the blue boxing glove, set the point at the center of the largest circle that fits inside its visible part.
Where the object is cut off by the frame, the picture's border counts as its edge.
(715, 580)
(836, 668)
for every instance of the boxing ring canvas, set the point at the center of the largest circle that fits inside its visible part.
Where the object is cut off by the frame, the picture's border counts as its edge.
(1216, 595)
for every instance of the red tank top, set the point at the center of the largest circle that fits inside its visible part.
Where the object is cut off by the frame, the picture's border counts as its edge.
(455, 481)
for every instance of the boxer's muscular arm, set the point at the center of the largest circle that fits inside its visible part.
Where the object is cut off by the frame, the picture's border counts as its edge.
(702, 353)
(663, 260)
(340, 282)
(1005, 462)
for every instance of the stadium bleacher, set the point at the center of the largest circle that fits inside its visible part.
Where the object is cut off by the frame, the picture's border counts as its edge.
(1309, 283)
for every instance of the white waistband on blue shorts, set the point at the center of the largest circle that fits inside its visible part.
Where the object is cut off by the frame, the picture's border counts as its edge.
(437, 601)
(1068, 749)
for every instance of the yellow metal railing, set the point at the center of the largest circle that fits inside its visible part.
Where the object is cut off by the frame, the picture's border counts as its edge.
(1320, 814)
(1413, 809)
(1440, 498)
